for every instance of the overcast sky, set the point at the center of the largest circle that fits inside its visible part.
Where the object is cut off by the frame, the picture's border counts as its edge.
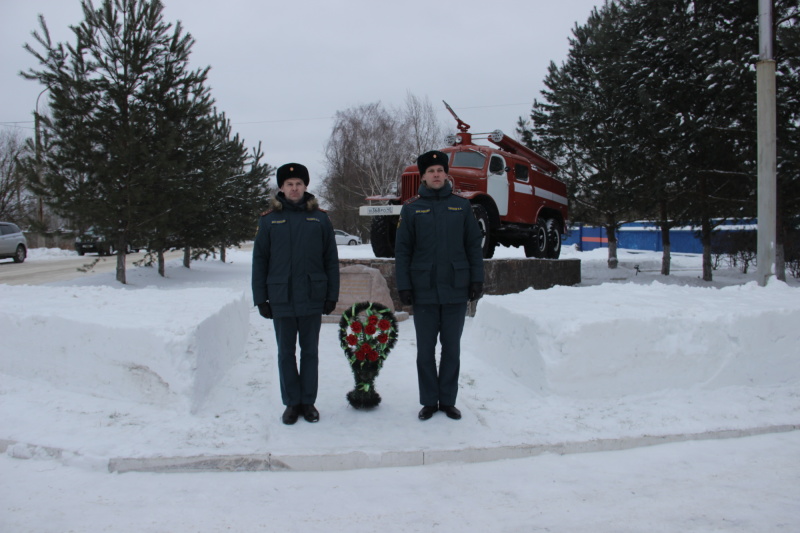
(280, 70)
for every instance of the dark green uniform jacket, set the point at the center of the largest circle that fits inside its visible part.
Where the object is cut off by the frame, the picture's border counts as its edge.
(295, 261)
(438, 247)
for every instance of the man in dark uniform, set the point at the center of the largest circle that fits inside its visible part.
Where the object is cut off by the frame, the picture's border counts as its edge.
(296, 281)
(439, 268)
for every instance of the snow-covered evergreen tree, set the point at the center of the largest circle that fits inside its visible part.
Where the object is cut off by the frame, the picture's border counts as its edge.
(653, 113)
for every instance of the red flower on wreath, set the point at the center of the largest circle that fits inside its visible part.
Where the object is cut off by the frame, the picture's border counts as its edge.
(368, 339)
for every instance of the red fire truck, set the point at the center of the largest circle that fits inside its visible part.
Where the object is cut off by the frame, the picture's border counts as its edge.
(513, 193)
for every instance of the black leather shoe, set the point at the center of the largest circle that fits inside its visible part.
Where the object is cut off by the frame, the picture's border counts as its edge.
(310, 413)
(451, 411)
(290, 414)
(427, 411)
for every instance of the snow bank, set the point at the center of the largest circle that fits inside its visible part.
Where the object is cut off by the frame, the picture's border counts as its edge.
(96, 373)
(591, 342)
(148, 345)
(169, 348)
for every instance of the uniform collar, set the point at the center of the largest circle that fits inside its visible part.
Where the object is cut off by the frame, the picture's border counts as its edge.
(433, 193)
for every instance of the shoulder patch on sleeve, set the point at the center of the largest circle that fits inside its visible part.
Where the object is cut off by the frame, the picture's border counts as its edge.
(412, 199)
(267, 212)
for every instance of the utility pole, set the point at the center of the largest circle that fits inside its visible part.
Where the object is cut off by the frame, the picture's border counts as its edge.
(37, 144)
(767, 158)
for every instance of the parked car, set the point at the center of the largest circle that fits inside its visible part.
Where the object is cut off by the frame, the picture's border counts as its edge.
(342, 237)
(13, 243)
(92, 242)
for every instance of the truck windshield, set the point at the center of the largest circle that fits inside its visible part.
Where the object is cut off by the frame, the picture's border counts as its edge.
(468, 159)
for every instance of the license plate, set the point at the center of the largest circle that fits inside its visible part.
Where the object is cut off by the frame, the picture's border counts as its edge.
(373, 210)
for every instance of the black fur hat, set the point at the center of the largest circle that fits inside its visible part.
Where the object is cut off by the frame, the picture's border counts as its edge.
(291, 170)
(434, 157)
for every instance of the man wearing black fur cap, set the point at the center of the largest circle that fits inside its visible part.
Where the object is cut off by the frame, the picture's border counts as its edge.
(439, 268)
(296, 281)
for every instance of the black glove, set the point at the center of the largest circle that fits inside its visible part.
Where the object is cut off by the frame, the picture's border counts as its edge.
(407, 297)
(265, 310)
(328, 306)
(475, 291)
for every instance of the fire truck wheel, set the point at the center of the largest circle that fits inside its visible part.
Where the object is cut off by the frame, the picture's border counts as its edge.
(536, 245)
(553, 238)
(488, 244)
(382, 234)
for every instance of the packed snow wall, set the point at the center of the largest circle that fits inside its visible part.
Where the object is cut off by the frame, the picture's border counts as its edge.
(161, 347)
(578, 341)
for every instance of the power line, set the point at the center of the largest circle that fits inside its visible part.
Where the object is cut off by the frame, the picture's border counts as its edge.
(281, 120)
(17, 125)
(498, 105)
(330, 118)
(272, 121)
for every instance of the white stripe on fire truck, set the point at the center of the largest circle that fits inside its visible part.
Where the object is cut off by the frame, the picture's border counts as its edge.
(523, 188)
(542, 193)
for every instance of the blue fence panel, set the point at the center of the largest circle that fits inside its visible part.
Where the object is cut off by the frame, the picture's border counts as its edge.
(639, 238)
(587, 237)
(685, 241)
(646, 236)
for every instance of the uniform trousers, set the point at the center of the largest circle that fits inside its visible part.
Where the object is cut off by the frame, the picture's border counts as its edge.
(298, 386)
(445, 323)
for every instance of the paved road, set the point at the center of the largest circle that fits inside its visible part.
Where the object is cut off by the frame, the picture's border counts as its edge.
(33, 272)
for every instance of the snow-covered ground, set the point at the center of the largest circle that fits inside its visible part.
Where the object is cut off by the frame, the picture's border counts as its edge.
(633, 402)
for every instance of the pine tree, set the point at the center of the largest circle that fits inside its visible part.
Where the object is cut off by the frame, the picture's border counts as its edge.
(229, 190)
(787, 57)
(580, 126)
(117, 97)
(243, 196)
(657, 100)
(690, 64)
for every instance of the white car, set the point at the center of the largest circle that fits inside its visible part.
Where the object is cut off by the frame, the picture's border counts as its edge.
(342, 237)
(13, 243)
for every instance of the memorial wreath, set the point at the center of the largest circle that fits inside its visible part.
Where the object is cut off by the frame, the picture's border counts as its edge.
(367, 333)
